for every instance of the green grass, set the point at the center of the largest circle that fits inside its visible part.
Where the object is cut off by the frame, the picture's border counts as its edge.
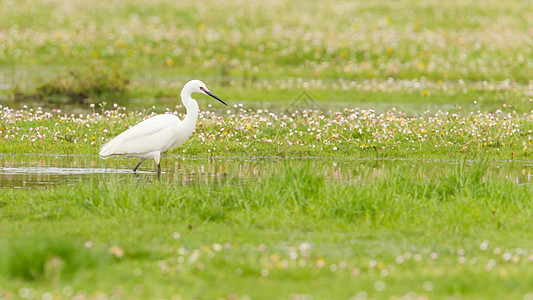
(233, 43)
(47, 258)
(448, 80)
(338, 39)
(464, 233)
(349, 133)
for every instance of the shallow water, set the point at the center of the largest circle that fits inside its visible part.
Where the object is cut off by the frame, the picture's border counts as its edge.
(48, 171)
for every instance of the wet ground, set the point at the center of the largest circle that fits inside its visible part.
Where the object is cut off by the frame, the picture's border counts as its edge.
(48, 171)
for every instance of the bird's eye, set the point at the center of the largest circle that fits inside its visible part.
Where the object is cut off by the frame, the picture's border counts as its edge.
(201, 88)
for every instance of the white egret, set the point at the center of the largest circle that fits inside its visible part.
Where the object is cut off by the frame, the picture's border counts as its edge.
(153, 136)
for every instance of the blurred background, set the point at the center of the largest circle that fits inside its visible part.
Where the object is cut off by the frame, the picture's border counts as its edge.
(389, 53)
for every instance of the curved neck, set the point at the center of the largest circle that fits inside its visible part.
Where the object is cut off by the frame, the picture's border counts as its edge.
(192, 108)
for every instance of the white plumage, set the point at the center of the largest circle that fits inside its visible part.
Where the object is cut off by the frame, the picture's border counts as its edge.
(153, 136)
(158, 133)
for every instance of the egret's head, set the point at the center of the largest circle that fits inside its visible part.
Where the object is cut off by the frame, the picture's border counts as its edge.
(196, 86)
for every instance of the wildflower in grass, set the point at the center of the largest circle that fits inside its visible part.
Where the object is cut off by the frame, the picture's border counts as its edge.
(320, 262)
(116, 251)
(308, 131)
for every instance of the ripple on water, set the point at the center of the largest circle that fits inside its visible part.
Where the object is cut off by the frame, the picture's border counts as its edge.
(41, 171)
(60, 171)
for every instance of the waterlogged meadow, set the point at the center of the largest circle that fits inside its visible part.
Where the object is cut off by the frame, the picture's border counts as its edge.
(43, 171)
(294, 230)
(351, 132)
(381, 204)
(371, 150)
(255, 50)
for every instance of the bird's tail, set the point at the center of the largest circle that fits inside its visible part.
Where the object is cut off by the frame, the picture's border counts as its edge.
(105, 151)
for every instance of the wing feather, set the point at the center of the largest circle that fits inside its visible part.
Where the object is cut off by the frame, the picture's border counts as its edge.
(158, 133)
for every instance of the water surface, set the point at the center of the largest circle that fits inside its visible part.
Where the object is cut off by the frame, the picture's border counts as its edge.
(48, 171)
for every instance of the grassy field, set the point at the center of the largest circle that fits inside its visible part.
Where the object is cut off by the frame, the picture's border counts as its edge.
(349, 133)
(338, 50)
(384, 81)
(468, 40)
(288, 234)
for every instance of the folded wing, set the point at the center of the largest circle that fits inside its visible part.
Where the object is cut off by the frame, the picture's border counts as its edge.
(158, 133)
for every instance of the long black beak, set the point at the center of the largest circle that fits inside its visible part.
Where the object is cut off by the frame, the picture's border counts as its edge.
(212, 95)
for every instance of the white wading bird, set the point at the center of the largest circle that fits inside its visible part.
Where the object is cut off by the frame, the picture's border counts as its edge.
(157, 134)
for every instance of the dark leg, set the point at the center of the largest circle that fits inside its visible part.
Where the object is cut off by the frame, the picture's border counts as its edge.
(137, 166)
(159, 168)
